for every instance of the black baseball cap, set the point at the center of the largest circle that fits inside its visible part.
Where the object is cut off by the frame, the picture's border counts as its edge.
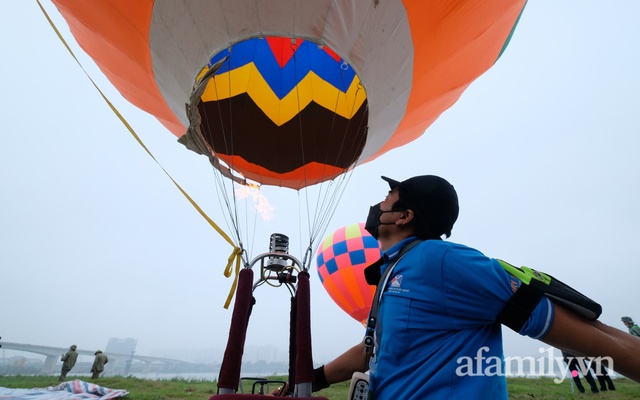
(432, 198)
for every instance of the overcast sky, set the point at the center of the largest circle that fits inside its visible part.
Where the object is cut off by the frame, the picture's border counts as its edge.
(96, 242)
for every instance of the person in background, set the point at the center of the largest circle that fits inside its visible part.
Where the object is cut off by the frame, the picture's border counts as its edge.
(633, 328)
(576, 366)
(603, 376)
(98, 364)
(68, 361)
(437, 333)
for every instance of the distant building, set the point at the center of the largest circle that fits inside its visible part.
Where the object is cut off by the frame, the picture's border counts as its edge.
(120, 346)
(268, 353)
(19, 365)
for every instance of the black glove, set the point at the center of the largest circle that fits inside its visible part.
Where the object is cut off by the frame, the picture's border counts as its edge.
(319, 379)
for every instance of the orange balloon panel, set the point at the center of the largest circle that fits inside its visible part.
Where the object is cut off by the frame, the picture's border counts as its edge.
(292, 92)
(341, 261)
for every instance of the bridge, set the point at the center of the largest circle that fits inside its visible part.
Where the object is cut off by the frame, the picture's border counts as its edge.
(53, 354)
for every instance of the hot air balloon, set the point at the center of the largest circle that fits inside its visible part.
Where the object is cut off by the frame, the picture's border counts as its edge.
(292, 93)
(341, 260)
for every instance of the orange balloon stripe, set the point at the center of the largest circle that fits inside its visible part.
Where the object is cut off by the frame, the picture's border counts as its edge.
(362, 296)
(358, 297)
(120, 47)
(295, 179)
(336, 294)
(361, 314)
(437, 87)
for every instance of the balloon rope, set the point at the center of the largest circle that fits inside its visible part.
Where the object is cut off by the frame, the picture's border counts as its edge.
(236, 254)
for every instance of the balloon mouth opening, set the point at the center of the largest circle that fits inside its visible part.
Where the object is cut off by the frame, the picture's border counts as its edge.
(278, 111)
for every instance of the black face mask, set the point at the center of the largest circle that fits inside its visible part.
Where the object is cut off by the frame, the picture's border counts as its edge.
(373, 220)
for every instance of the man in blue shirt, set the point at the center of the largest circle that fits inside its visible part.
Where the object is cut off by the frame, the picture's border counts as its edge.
(437, 335)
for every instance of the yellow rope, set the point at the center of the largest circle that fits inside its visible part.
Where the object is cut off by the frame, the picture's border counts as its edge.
(236, 254)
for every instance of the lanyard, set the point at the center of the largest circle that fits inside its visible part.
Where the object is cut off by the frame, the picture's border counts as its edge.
(377, 297)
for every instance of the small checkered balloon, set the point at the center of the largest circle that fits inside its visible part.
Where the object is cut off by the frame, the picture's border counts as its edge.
(341, 261)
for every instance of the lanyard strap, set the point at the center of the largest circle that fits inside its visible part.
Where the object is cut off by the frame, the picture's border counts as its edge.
(377, 297)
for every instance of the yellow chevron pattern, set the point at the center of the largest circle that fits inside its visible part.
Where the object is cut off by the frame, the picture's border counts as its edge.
(247, 79)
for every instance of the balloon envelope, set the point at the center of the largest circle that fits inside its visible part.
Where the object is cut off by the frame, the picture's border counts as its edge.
(341, 260)
(292, 92)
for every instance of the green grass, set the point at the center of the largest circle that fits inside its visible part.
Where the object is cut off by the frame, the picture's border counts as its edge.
(175, 389)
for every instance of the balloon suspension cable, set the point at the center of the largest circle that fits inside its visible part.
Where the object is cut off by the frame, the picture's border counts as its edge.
(226, 188)
(326, 199)
(327, 203)
(333, 197)
(330, 195)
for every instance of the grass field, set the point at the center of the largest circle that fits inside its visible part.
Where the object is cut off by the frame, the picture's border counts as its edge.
(175, 389)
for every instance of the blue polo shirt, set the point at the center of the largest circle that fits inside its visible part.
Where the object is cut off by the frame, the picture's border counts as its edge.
(437, 335)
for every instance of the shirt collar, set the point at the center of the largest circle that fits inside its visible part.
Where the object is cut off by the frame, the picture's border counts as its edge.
(394, 250)
(373, 272)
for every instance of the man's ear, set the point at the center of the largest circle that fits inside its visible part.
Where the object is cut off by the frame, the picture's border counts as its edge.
(408, 216)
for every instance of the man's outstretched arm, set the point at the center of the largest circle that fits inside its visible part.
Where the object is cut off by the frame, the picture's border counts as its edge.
(580, 336)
